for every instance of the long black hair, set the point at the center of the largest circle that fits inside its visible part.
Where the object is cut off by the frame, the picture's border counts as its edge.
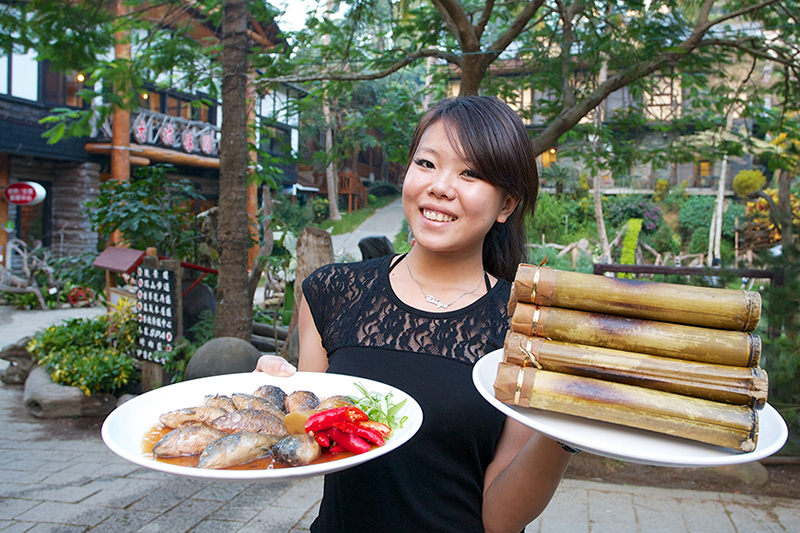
(494, 143)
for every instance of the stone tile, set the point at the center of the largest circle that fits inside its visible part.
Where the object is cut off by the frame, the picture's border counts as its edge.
(788, 517)
(753, 518)
(24, 477)
(302, 495)
(119, 492)
(31, 464)
(272, 520)
(54, 493)
(704, 516)
(221, 491)
(217, 526)
(56, 528)
(305, 523)
(125, 521)
(259, 495)
(11, 508)
(568, 511)
(182, 517)
(611, 511)
(12, 526)
(232, 513)
(66, 513)
(169, 495)
(656, 514)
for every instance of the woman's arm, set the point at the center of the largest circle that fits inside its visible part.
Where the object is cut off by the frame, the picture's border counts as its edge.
(313, 357)
(521, 479)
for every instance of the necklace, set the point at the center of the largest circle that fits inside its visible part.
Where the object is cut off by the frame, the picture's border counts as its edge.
(433, 299)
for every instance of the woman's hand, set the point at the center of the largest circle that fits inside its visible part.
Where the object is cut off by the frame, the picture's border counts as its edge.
(274, 366)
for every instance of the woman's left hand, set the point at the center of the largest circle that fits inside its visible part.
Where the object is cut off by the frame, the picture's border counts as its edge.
(274, 366)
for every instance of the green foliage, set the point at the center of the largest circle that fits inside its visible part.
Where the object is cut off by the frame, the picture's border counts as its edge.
(383, 188)
(664, 240)
(371, 199)
(538, 254)
(747, 182)
(560, 176)
(695, 217)
(321, 209)
(293, 216)
(80, 272)
(661, 190)
(92, 354)
(676, 197)
(148, 210)
(629, 243)
(618, 210)
(561, 220)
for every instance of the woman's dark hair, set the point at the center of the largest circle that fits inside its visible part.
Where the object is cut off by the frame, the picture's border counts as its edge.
(495, 144)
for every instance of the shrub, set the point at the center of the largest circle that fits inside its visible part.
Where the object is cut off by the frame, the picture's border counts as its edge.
(747, 182)
(619, 209)
(92, 354)
(661, 189)
(382, 188)
(293, 215)
(321, 209)
(695, 214)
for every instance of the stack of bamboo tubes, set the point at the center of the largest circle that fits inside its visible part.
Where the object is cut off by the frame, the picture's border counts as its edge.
(674, 359)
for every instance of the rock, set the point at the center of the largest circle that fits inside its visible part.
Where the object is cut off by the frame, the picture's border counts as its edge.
(45, 399)
(20, 361)
(224, 355)
(753, 473)
(200, 298)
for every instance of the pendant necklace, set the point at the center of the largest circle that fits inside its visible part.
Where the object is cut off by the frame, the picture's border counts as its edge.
(433, 299)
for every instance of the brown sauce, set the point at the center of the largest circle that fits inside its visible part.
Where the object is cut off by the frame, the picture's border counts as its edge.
(155, 434)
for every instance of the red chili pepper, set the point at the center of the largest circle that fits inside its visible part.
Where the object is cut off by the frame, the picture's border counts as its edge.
(348, 441)
(360, 431)
(336, 449)
(383, 429)
(322, 438)
(326, 419)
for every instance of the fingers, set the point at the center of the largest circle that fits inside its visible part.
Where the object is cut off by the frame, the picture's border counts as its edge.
(274, 366)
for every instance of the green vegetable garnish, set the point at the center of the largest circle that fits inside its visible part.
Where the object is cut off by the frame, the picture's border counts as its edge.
(379, 407)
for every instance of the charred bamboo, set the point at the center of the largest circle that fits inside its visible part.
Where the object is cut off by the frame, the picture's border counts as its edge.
(731, 426)
(678, 341)
(728, 384)
(728, 309)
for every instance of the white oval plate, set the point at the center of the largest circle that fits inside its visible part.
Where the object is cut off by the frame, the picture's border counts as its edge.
(629, 444)
(124, 429)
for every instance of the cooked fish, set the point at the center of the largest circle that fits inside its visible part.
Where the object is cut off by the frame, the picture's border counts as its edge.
(237, 449)
(297, 450)
(184, 441)
(249, 420)
(335, 401)
(190, 416)
(272, 394)
(248, 401)
(221, 401)
(301, 400)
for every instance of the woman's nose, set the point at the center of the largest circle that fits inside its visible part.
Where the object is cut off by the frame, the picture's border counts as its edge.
(442, 185)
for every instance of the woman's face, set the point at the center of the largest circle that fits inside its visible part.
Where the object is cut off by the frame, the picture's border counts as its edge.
(449, 208)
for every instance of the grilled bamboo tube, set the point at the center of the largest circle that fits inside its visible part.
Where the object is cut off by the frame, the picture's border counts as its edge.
(731, 426)
(691, 343)
(729, 309)
(728, 384)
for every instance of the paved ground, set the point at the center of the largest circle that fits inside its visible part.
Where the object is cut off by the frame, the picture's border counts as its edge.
(58, 476)
(386, 222)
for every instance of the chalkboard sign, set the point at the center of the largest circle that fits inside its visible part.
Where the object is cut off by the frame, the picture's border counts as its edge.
(156, 312)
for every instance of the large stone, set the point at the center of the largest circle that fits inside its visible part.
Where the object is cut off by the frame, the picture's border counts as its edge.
(224, 355)
(45, 399)
(752, 473)
(20, 362)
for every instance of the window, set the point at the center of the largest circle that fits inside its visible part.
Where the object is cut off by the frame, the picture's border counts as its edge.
(19, 76)
(549, 157)
(178, 105)
(274, 139)
(61, 87)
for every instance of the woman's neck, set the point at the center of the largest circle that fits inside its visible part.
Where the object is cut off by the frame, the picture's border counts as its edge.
(445, 269)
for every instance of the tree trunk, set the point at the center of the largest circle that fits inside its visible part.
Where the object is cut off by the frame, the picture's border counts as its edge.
(234, 310)
(601, 223)
(266, 243)
(314, 249)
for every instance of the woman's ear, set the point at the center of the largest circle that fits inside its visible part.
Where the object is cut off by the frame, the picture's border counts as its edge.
(509, 204)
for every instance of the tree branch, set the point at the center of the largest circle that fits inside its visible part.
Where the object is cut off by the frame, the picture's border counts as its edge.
(485, 15)
(459, 24)
(516, 27)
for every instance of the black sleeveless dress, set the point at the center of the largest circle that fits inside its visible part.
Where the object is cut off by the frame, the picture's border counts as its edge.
(434, 482)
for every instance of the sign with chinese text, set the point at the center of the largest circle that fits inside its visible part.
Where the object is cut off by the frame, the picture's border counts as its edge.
(25, 193)
(156, 310)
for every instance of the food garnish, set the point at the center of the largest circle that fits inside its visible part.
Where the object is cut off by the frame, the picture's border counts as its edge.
(379, 407)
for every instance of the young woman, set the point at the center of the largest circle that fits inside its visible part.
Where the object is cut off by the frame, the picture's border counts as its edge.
(420, 321)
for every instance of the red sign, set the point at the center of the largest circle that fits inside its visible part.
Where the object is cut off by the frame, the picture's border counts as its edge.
(206, 144)
(168, 134)
(25, 193)
(188, 141)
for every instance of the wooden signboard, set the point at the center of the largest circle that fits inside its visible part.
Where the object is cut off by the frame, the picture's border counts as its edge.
(156, 309)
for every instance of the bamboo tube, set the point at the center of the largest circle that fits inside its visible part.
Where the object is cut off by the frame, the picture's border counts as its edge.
(691, 343)
(728, 384)
(728, 309)
(731, 426)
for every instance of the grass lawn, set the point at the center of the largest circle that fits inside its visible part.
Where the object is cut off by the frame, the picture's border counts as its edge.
(351, 221)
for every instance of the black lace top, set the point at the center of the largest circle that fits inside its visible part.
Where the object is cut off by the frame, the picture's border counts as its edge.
(433, 483)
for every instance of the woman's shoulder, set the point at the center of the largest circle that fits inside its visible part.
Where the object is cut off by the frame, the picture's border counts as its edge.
(335, 274)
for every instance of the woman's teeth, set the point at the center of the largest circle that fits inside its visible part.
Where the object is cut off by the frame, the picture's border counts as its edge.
(436, 216)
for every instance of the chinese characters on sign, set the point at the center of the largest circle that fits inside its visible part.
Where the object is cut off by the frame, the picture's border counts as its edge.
(155, 311)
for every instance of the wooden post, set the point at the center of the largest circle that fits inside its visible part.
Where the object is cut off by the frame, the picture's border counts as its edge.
(5, 172)
(121, 119)
(252, 187)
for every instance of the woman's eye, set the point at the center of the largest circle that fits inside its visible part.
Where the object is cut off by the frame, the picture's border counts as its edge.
(424, 163)
(471, 174)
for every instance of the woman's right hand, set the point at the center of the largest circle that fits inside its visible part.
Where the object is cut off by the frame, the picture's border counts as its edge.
(274, 366)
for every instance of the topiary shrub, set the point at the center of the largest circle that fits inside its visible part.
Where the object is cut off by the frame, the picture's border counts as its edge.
(747, 182)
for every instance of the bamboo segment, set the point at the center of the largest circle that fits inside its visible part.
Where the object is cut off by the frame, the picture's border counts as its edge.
(726, 309)
(728, 384)
(715, 423)
(678, 341)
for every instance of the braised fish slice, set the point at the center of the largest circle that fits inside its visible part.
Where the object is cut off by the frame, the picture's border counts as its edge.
(272, 394)
(221, 401)
(237, 449)
(190, 416)
(248, 401)
(301, 400)
(185, 441)
(249, 420)
(333, 402)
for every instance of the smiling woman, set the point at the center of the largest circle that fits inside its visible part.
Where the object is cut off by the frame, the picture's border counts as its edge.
(422, 326)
